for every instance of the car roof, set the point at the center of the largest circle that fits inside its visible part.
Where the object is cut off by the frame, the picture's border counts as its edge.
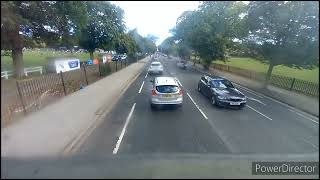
(165, 81)
(156, 62)
(214, 77)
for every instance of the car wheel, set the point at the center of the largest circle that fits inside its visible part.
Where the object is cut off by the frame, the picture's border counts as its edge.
(153, 106)
(213, 101)
(241, 106)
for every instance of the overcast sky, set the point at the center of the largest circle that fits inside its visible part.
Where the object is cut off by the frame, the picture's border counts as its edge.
(154, 17)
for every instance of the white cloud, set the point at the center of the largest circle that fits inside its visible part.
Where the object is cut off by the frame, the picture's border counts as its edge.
(154, 17)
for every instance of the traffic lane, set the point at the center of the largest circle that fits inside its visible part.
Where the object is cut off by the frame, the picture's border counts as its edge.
(105, 136)
(169, 129)
(282, 119)
(239, 126)
(276, 108)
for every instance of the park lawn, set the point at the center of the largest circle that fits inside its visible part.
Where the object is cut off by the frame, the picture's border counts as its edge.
(39, 58)
(255, 65)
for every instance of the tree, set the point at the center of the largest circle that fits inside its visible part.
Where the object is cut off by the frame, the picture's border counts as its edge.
(144, 45)
(169, 46)
(152, 38)
(126, 44)
(184, 51)
(26, 22)
(285, 33)
(208, 30)
(104, 28)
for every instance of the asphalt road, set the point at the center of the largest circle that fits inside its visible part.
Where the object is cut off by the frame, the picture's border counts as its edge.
(264, 126)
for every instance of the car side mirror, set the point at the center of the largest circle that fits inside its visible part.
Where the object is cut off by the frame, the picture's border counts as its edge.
(209, 85)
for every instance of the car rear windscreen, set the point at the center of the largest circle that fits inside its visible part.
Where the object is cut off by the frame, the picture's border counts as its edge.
(155, 64)
(167, 89)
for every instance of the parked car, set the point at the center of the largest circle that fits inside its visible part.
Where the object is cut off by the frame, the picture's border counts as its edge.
(116, 57)
(221, 91)
(166, 91)
(155, 68)
(123, 57)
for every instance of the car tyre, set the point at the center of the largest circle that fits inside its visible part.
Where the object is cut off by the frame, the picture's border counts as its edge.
(153, 106)
(213, 101)
(241, 107)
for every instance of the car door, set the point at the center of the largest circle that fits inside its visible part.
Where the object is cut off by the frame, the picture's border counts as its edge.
(207, 87)
(202, 84)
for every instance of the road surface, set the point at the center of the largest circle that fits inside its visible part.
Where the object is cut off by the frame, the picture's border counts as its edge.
(264, 126)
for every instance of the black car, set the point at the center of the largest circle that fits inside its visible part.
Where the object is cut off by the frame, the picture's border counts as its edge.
(116, 58)
(221, 91)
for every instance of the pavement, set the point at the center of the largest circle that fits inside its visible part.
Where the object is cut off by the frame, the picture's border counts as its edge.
(58, 127)
(265, 125)
(308, 104)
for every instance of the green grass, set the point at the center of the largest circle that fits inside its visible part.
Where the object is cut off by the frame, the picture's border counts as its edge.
(39, 58)
(255, 65)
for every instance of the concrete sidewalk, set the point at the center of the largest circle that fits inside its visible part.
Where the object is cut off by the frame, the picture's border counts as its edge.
(48, 131)
(297, 100)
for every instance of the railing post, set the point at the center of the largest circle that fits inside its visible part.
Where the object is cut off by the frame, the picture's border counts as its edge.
(294, 79)
(99, 70)
(20, 95)
(116, 66)
(62, 80)
(85, 74)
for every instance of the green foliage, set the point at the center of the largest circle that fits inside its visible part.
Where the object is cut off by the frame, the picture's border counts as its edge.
(209, 29)
(105, 25)
(287, 32)
(144, 45)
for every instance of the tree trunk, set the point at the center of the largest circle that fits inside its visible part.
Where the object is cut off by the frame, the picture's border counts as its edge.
(268, 76)
(17, 46)
(18, 62)
(91, 55)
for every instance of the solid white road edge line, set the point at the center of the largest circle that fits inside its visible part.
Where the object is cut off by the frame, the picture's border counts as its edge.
(303, 116)
(141, 87)
(258, 112)
(197, 106)
(115, 150)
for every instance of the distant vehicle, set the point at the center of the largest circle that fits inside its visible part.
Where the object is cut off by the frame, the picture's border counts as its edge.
(123, 57)
(116, 57)
(166, 91)
(182, 64)
(221, 91)
(156, 68)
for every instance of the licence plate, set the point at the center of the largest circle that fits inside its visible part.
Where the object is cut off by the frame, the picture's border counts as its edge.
(166, 95)
(235, 103)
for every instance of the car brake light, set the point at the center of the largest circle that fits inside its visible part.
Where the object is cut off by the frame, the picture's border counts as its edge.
(153, 92)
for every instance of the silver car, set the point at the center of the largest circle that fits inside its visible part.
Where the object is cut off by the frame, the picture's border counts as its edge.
(166, 90)
(156, 68)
